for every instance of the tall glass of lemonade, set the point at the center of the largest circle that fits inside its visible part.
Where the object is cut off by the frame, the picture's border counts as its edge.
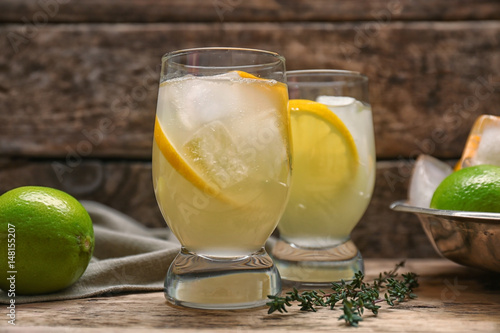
(333, 176)
(221, 172)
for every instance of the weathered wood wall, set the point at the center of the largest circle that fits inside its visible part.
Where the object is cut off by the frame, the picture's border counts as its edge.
(78, 85)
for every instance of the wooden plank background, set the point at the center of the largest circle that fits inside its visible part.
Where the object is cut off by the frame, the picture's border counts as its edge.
(249, 10)
(78, 86)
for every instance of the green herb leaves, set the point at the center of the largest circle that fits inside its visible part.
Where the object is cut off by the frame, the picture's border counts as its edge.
(354, 296)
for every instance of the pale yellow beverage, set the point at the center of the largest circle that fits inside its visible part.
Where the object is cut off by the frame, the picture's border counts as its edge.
(333, 170)
(221, 170)
(333, 177)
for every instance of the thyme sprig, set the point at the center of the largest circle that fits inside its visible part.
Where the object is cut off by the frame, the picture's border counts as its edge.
(354, 296)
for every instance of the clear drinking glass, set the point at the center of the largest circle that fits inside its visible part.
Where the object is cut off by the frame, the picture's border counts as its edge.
(333, 176)
(221, 172)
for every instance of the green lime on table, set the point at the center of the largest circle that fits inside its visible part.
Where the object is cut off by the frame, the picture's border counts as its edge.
(475, 189)
(47, 240)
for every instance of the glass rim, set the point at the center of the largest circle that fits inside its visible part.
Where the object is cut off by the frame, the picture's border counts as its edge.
(330, 72)
(177, 53)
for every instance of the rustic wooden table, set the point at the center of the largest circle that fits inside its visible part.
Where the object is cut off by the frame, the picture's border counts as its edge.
(451, 298)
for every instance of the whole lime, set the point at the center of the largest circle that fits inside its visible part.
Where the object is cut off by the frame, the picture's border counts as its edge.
(475, 188)
(47, 240)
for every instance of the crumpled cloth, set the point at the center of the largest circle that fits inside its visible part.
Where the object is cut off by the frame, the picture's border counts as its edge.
(128, 257)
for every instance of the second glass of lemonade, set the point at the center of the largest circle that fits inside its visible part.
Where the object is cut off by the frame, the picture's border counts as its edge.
(221, 172)
(333, 176)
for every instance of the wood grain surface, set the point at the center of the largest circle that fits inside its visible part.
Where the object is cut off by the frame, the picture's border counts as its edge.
(91, 89)
(246, 11)
(451, 298)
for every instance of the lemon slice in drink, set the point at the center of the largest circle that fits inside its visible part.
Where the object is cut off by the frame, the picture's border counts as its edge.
(246, 75)
(325, 154)
(179, 163)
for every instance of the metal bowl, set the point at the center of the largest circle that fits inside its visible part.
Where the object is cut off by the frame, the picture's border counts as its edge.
(467, 238)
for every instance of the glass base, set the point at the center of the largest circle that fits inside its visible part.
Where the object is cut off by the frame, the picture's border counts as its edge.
(204, 282)
(308, 267)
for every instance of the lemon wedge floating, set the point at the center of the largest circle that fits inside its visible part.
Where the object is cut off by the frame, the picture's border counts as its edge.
(324, 150)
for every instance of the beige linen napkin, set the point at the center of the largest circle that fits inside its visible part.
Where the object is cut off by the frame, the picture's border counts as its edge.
(128, 257)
